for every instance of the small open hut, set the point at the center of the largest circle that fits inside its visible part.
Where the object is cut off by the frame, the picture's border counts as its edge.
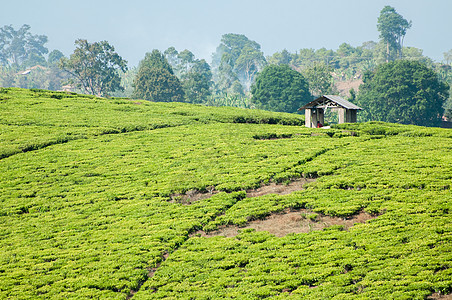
(315, 110)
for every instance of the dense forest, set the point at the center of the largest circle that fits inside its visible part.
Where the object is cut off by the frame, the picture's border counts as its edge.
(229, 79)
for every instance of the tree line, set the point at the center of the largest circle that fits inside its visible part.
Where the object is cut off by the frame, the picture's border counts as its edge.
(240, 74)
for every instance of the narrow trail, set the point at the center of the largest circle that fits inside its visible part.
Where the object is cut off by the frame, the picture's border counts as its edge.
(151, 272)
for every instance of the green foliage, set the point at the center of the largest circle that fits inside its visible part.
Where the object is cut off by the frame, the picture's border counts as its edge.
(157, 85)
(405, 92)
(35, 77)
(18, 46)
(392, 27)
(155, 80)
(195, 74)
(54, 57)
(448, 108)
(86, 207)
(236, 62)
(279, 88)
(280, 58)
(155, 60)
(319, 79)
(95, 67)
(196, 87)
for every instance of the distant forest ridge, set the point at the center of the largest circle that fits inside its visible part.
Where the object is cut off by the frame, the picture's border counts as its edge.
(226, 80)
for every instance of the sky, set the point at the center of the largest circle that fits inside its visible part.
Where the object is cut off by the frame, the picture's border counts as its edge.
(135, 27)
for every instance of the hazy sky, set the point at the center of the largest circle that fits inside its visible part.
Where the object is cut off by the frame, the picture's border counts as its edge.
(135, 27)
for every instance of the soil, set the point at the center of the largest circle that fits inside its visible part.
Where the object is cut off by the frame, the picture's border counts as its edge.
(343, 87)
(436, 296)
(280, 189)
(290, 221)
(279, 224)
(191, 196)
(272, 188)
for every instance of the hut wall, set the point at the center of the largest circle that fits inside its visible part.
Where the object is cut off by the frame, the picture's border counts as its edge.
(307, 117)
(342, 115)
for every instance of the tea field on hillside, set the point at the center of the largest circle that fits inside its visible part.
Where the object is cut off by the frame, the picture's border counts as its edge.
(91, 205)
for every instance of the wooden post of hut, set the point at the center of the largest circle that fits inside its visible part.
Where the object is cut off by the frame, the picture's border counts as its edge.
(315, 110)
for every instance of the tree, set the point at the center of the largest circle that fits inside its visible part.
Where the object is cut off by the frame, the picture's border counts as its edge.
(319, 78)
(248, 64)
(227, 80)
(403, 91)
(392, 28)
(157, 85)
(171, 56)
(34, 60)
(54, 57)
(155, 80)
(237, 59)
(448, 57)
(448, 108)
(279, 88)
(16, 46)
(280, 58)
(95, 67)
(156, 60)
(194, 74)
(413, 53)
(197, 82)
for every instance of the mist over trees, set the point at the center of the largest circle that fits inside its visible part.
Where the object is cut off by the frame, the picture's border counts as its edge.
(230, 77)
(18, 46)
(236, 62)
(23, 62)
(195, 74)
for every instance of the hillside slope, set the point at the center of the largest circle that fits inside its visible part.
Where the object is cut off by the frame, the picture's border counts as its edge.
(95, 202)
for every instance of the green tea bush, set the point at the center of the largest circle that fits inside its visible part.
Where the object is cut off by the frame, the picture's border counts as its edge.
(86, 207)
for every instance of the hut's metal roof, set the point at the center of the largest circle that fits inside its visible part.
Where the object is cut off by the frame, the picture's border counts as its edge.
(330, 101)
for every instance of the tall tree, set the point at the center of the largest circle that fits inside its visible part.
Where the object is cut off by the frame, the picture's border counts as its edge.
(16, 46)
(95, 67)
(392, 27)
(186, 61)
(156, 60)
(155, 80)
(197, 82)
(248, 64)
(403, 91)
(237, 58)
(279, 88)
(226, 80)
(171, 56)
(194, 74)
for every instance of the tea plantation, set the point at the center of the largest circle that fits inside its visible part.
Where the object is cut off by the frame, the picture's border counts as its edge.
(90, 203)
